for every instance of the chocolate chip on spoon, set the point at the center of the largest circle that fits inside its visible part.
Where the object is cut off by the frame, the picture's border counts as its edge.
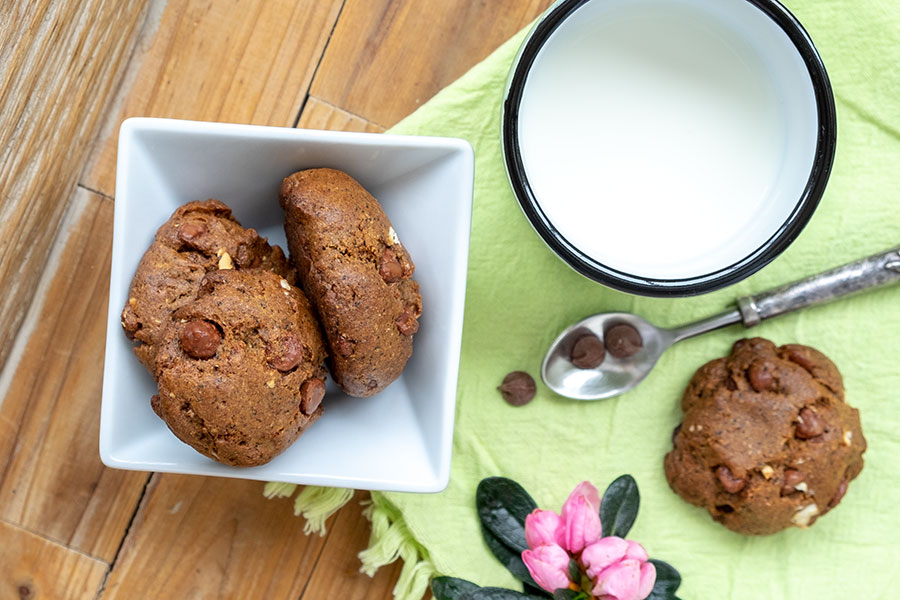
(588, 352)
(622, 341)
(518, 388)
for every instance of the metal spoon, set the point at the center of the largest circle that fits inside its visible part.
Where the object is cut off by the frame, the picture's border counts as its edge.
(615, 376)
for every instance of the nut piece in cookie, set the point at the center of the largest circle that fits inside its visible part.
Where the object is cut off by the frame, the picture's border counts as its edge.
(198, 238)
(240, 368)
(767, 440)
(357, 275)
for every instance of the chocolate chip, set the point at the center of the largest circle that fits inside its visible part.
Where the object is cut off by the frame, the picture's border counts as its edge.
(842, 489)
(760, 376)
(200, 339)
(588, 352)
(730, 385)
(390, 268)
(809, 425)
(407, 322)
(311, 393)
(791, 478)
(623, 340)
(796, 356)
(191, 231)
(732, 484)
(725, 508)
(343, 346)
(518, 388)
(285, 353)
(675, 433)
(247, 257)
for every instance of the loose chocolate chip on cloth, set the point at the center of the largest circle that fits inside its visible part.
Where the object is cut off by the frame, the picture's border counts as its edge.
(519, 295)
(518, 388)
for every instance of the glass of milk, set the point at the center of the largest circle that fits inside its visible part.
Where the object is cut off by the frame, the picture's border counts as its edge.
(668, 147)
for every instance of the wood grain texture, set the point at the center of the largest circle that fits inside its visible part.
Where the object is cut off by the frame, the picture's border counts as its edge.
(387, 57)
(32, 567)
(208, 537)
(337, 572)
(60, 63)
(51, 478)
(321, 115)
(247, 61)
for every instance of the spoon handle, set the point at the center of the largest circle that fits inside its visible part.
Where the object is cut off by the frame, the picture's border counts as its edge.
(875, 271)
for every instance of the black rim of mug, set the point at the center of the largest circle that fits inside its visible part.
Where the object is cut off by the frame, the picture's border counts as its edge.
(647, 286)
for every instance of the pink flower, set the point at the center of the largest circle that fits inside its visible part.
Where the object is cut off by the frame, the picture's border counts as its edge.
(619, 569)
(549, 566)
(581, 518)
(543, 527)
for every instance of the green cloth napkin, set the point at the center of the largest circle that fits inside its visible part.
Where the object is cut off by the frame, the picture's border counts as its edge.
(520, 295)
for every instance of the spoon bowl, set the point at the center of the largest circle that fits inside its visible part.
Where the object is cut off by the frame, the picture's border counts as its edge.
(614, 375)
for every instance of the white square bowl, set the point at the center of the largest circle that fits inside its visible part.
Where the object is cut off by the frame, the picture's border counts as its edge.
(398, 440)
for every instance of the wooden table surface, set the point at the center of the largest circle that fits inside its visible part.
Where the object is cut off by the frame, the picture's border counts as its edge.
(70, 71)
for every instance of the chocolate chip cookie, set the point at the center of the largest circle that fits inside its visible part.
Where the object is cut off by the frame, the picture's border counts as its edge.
(240, 368)
(356, 273)
(767, 440)
(199, 237)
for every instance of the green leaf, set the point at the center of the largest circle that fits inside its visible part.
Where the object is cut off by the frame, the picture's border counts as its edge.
(502, 507)
(495, 593)
(508, 558)
(574, 571)
(450, 588)
(619, 507)
(564, 594)
(667, 581)
(535, 590)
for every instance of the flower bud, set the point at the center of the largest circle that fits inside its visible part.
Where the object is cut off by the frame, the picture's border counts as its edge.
(619, 569)
(581, 522)
(543, 527)
(549, 566)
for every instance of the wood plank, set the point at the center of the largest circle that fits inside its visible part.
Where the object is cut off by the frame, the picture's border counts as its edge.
(208, 537)
(318, 114)
(32, 567)
(337, 572)
(387, 57)
(60, 64)
(249, 61)
(51, 478)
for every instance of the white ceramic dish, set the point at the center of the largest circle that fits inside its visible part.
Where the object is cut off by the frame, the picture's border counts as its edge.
(398, 440)
(668, 147)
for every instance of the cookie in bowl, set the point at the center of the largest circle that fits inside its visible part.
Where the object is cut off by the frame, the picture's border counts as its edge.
(240, 368)
(357, 274)
(768, 441)
(198, 238)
